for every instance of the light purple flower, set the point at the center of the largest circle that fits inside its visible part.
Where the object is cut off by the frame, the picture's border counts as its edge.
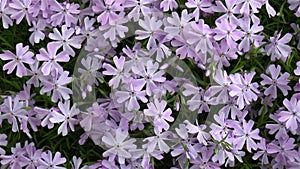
(23, 55)
(246, 134)
(228, 31)
(151, 28)
(202, 136)
(158, 141)
(224, 54)
(275, 81)
(230, 9)
(137, 8)
(221, 89)
(118, 145)
(64, 13)
(65, 39)
(108, 10)
(130, 96)
(168, 5)
(243, 88)
(278, 127)
(247, 4)
(37, 31)
(115, 30)
(200, 35)
(270, 10)
(33, 156)
(120, 73)
(284, 150)
(5, 11)
(58, 86)
(48, 161)
(150, 74)
(200, 6)
(177, 24)
(262, 154)
(295, 5)
(66, 117)
(16, 159)
(250, 34)
(297, 70)
(291, 117)
(35, 73)
(21, 9)
(161, 116)
(3, 142)
(51, 59)
(278, 48)
(89, 74)
(14, 111)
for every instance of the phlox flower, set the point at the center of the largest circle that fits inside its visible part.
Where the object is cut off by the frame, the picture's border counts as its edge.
(250, 34)
(291, 117)
(145, 156)
(297, 70)
(151, 28)
(283, 149)
(89, 74)
(295, 5)
(64, 13)
(202, 136)
(138, 8)
(228, 31)
(115, 30)
(278, 48)
(229, 8)
(183, 48)
(120, 73)
(278, 127)
(276, 81)
(33, 156)
(177, 24)
(48, 161)
(66, 39)
(220, 90)
(130, 96)
(23, 55)
(224, 54)
(270, 10)
(150, 74)
(250, 5)
(246, 134)
(21, 9)
(158, 141)
(262, 154)
(161, 116)
(201, 37)
(168, 5)
(118, 146)
(66, 117)
(108, 10)
(16, 159)
(14, 111)
(243, 88)
(51, 59)
(5, 11)
(200, 6)
(37, 31)
(57, 84)
(3, 142)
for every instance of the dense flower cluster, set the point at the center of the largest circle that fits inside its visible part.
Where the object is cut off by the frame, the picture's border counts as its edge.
(144, 98)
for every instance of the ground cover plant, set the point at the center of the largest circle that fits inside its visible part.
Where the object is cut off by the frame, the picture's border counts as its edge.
(149, 84)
